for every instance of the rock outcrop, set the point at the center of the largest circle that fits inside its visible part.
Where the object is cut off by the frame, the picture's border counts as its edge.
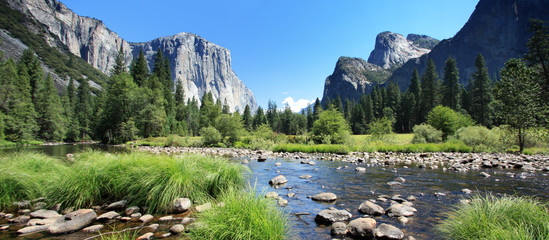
(352, 78)
(393, 49)
(496, 29)
(201, 65)
(422, 41)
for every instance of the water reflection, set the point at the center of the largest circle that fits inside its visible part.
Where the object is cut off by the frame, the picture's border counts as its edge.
(62, 150)
(352, 188)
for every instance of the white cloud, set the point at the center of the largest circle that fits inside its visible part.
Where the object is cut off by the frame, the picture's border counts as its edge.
(296, 106)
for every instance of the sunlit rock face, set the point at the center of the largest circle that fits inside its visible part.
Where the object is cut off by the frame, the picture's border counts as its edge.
(393, 49)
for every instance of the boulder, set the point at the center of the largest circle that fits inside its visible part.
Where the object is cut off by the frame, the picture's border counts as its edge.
(20, 219)
(146, 218)
(325, 197)
(73, 221)
(145, 236)
(282, 202)
(371, 208)
(107, 216)
(271, 195)
(181, 205)
(330, 216)
(44, 214)
(339, 229)
(177, 229)
(32, 229)
(93, 228)
(278, 180)
(398, 210)
(131, 210)
(389, 232)
(117, 205)
(362, 228)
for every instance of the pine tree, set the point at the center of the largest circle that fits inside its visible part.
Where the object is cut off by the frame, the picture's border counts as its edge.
(338, 104)
(450, 86)
(430, 94)
(120, 63)
(83, 109)
(273, 117)
(259, 118)
(377, 102)
(407, 113)
(140, 70)
(317, 109)
(208, 111)
(481, 94)
(193, 118)
(247, 118)
(310, 117)
(415, 89)
(393, 96)
(50, 113)
(348, 108)
(358, 120)
(121, 97)
(179, 94)
(367, 106)
(538, 52)
(69, 102)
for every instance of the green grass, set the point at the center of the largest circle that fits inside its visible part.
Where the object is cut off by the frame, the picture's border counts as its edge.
(494, 218)
(126, 235)
(169, 141)
(450, 146)
(5, 143)
(95, 178)
(317, 148)
(244, 216)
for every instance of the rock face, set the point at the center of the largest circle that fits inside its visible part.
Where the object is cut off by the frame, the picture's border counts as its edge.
(201, 65)
(353, 77)
(496, 29)
(393, 49)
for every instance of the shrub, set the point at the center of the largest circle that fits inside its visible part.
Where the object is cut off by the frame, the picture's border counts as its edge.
(447, 120)
(425, 133)
(381, 128)
(478, 137)
(244, 216)
(210, 136)
(230, 128)
(491, 217)
(331, 123)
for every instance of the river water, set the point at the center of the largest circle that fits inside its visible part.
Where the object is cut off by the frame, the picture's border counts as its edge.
(352, 188)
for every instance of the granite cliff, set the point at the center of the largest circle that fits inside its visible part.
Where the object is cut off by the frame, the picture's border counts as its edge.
(202, 65)
(392, 49)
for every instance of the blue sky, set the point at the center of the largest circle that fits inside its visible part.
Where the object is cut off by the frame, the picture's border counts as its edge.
(285, 48)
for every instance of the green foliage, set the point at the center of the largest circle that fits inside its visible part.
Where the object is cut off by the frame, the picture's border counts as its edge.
(450, 86)
(449, 146)
(490, 217)
(210, 136)
(50, 113)
(230, 128)
(481, 109)
(243, 216)
(478, 137)
(381, 128)
(517, 100)
(430, 90)
(331, 123)
(425, 133)
(447, 120)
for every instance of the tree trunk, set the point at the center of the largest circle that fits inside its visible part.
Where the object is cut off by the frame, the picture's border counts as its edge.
(521, 140)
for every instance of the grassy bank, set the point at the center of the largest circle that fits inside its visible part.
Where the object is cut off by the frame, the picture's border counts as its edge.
(317, 148)
(494, 218)
(244, 216)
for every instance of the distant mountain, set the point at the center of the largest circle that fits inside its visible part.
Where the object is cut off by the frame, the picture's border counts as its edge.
(496, 29)
(201, 65)
(353, 77)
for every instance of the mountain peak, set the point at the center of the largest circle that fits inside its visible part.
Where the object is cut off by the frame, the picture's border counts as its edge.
(392, 49)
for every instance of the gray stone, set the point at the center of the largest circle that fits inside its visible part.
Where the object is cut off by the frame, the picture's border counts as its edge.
(177, 229)
(146, 218)
(278, 164)
(20, 219)
(389, 232)
(44, 214)
(203, 207)
(394, 183)
(339, 229)
(146, 236)
(44, 221)
(93, 228)
(360, 169)
(271, 195)
(393, 49)
(117, 205)
(181, 205)
(466, 191)
(131, 210)
(362, 228)
(282, 202)
(4, 227)
(291, 195)
(153, 227)
(107, 216)
(403, 219)
(136, 215)
(73, 221)
(484, 174)
(278, 180)
(411, 198)
(33, 229)
(187, 220)
(166, 219)
(371, 208)
(305, 176)
(325, 197)
(398, 210)
(400, 179)
(329, 216)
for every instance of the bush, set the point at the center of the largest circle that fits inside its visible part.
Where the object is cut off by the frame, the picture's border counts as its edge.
(210, 136)
(491, 217)
(244, 216)
(331, 123)
(317, 148)
(425, 133)
(381, 128)
(230, 128)
(478, 137)
(447, 120)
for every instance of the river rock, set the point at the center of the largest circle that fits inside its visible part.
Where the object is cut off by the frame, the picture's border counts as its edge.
(360, 169)
(484, 174)
(278, 164)
(262, 159)
(330, 216)
(181, 205)
(44, 214)
(394, 183)
(203, 207)
(20, 219)
(403, 219)
(278, 180)
(389, 232)
(4, 227)
(305, 176)
(145, 236)
(131, 210)
(271, 195)
(325, 197)
(291, 195)
(40, 221)
(400, 179)
(466, 191)
(177, 229)
(411, 198)
(362, 228)
(371, 208)
(398, 210)
(33, 229)
(146, 218)
(93, 228)
(282, 202)
(73, 221)
(107, 216)
(339, 229)
(136, 215)
(117, 205)
(166, 219)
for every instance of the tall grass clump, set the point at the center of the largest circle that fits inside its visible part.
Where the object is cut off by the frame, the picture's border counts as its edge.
(490, 217)
(24, 175)
(317, 148)
(243, 216)
(145, 179)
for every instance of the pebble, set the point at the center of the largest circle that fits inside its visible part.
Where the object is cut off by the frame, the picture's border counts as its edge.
(145, 236)
(271, 195)
(93, 228)
(146, 218)
(177, 229)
